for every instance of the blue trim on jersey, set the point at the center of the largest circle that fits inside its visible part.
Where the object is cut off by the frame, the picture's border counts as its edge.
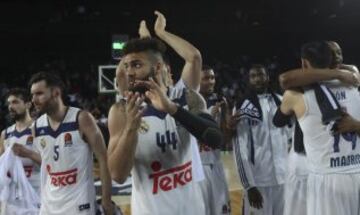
(241, 169)
(151, 111)
(182, 100)
(7, 134)
(64, 127)
(252, 149)
(17, 134)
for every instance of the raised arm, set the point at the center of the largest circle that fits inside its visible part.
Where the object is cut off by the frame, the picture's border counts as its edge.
(92, 135)
(192, 56)
(124, 122)
(300, 78)
(143, 30)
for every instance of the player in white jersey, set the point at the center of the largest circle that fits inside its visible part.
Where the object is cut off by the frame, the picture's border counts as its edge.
(66, 138)
(347, 74)
(333, 159)
(297, 171)
(260, 148)
(19, 137)
(150, 142)
(296, 181)
(214, 188)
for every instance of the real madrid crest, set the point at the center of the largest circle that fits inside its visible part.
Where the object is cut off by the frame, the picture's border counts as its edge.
(144, 127)
(42, 143)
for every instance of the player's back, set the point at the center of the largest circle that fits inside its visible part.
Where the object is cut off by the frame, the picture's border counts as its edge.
(328, 153)
(68, 185)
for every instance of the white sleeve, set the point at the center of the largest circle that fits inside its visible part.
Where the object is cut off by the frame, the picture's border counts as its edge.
(242, 155)
(178, 90)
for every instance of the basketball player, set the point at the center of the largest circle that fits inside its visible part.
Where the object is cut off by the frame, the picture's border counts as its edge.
(260, 148)
(333, 160)
(214, 188)
(337, 62)
(150, 142)
(66, 138)
(19, 137)
(348, 74)
(144, 33)
(296, 181)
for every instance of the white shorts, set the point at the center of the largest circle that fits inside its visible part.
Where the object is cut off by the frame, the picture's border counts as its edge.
(273, 201)
(333, 194)
(295, 194)
(2, 208)
(214, 190)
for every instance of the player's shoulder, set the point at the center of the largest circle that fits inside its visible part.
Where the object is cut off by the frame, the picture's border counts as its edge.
(349, 67)
(117, 110)
(118, 106)
(292, 95)
(3, 133)
(293, 92)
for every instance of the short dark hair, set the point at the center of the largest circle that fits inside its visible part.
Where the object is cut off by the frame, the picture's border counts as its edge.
(144, 45)
(166, 59)
(51, 80)
(206, 67)
(318, 53)
(257, 66)
(19, 92)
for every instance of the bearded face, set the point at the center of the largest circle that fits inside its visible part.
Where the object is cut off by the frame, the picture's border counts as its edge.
(43, 97)
(17, 108)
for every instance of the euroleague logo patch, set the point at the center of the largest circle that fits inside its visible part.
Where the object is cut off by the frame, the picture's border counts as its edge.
(29, 140)
(68, 140)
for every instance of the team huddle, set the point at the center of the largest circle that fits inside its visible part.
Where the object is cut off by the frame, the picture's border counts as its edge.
(295, 154)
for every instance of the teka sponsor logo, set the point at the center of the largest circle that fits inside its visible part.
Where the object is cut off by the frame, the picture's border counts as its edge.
(170, 179)
(62, 179)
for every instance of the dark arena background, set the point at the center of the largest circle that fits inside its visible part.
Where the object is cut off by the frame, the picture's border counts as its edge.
(76, 38)
(73, 38)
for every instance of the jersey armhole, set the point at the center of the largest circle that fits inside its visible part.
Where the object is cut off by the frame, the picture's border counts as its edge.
(77, 119)
(78, 125)
(306, 104)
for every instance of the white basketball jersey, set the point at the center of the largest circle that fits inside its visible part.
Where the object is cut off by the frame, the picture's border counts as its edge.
(209, 155)
(25, 138)
(67, 178)
(162, 173)
(329, 153)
